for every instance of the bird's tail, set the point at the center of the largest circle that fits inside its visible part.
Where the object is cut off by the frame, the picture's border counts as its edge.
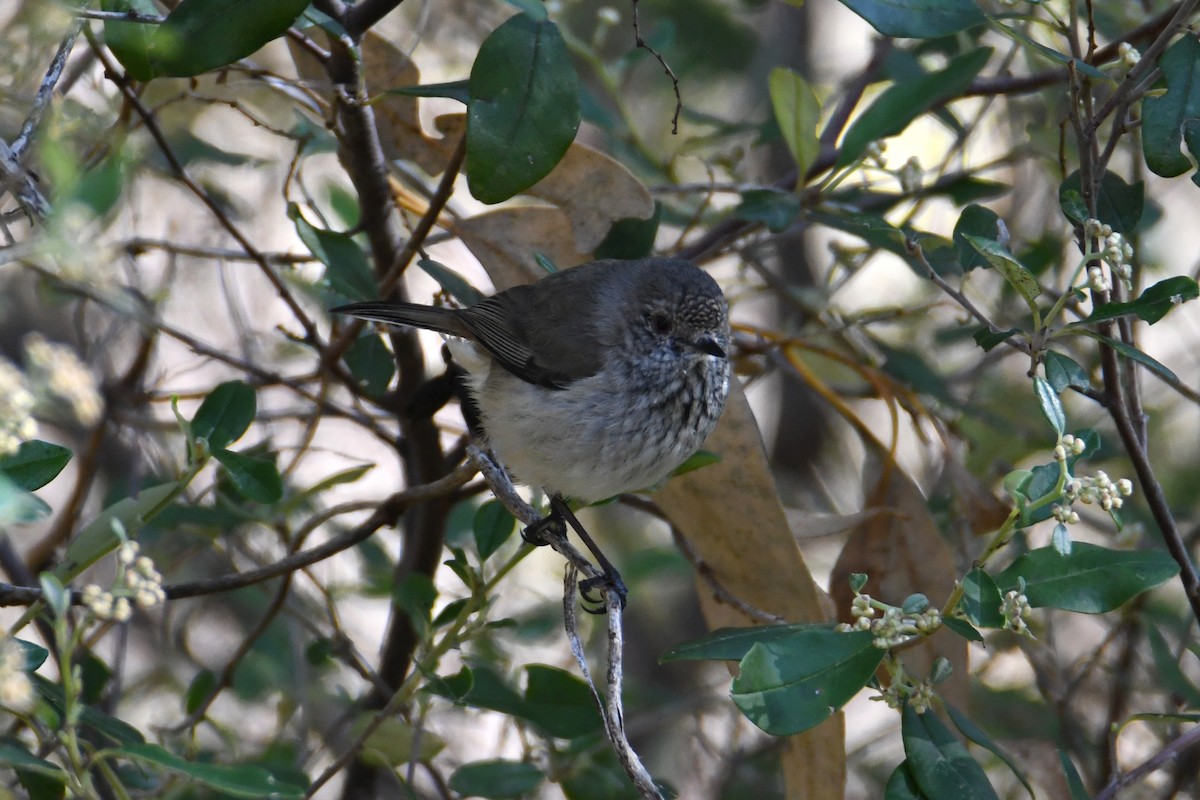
(442, 320)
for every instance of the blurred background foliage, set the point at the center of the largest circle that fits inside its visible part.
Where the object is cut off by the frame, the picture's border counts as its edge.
(188, 187)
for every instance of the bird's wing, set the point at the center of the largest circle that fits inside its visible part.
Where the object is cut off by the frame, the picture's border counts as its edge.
(541, 338)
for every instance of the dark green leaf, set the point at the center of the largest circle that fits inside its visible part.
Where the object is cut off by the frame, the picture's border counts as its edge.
(982, 600)
(631, 238)
(1175, 115)
(1050, 404)
(225, 414)
(902, 785)
(493, 525)
(348, 275)
(32, 655)
(900, 104)
(1073, 206)
(979, 736)
(371, 363)
(940, 764)
(524, 108)
(130, 41)
(415, 595)
(199, 690)
(1119, 204)
(1064, 372)
(496, 779)
(35, 464)
(797, 112)
(455, 90)
(13, 753)
(963, 629)
(99, 722)
(917, 19)
(1013, 271)
(790, 685)
(451, 282)
(989, 339)
(774, 208)
(235, 780)
(976, 221)
(1132, 353)
(1091, 580)
(200, 35)
(732, 644)
(559, 703)
(254, 478)
(1154, 303)
(1074, 782)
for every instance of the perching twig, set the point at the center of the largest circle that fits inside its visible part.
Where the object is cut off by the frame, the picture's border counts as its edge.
(637, 37)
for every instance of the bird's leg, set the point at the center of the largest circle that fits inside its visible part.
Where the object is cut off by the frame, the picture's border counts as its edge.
(610, 579)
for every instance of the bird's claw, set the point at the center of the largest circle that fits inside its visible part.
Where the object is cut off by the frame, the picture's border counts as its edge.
(602, 584)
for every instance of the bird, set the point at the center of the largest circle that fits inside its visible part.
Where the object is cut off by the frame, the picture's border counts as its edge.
(594, 381)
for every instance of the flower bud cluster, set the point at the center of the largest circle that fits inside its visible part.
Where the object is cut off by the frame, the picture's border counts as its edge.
(1069, 446)
(58, 372)
(910, 175)
(1129, 54)
(900, 691)
(1015, 608)
(16, 690)
(874, 154)
(893, 627)
(1099, 489)
(16, 404)
(138, 580)
(1116, 253)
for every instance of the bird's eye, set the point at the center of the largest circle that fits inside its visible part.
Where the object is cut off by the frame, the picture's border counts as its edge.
(660, 322)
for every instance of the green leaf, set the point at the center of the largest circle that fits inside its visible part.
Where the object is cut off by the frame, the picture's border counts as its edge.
(901, 785)
(1073, 206)
(1013, 271)
(982, 600)
(98, 538)
(35, 464)
(1091, 580)
(199, 690)
(917, 19)
(989, 339)
(348, 275)
(940, 764)
(901, 103)
(979, 736)
(1118, 204)
(497, 779)
(524, 108)
(1074, 782)
(1061, 540)
(254, 478)
(130, 41)
(1064, 372)
(797, 112)
(1132, 353)
(697, 460)
(454, 90)
(57, 596)
(225, 414)
(242, 780)
(451, 282)
(32, 655)
(1169, 670)
(18, 506)
(14, 754)
(774, 208)
(416, 595)
(794, 684)
(963, 629)
(1174, 116)
(1050, 404)
(201, 35)
(370, 362)
(982, 223)
(559, 703)
(1081, 66)
(97, 721)
(493, 525)
(631, 237)
(1153, 304)
(732, 644)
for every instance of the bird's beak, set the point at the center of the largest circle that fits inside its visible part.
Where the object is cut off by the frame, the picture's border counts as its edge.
(709, 345)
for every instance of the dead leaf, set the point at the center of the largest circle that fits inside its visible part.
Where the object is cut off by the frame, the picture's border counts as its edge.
(731, 515)
(595, 191)
(902, 553)
(506, 240)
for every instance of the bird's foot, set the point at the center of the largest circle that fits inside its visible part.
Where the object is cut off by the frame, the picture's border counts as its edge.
(595, 591)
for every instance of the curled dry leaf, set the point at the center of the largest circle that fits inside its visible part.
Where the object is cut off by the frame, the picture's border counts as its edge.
(730, 513)
(506, 240)
(595, 191)
(902, 552)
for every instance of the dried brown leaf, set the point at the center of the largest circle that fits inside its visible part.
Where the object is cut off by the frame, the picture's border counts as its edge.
(731, 515)
(506, 240)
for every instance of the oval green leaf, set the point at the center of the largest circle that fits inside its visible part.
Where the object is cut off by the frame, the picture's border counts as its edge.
(797, 112)
(1091, 580)
(732, 644)
(940, 763)
(1050, 404)
(237, 780)
(524, 108)
(225, 414)
(35, 464)
(497, 779)
(917, 19)
(1175, 114)
(791, 685)
(255, 479)
(1154, 303)
(200, 35)
(1013, 271)
(492, 525)
(1064, 372)
(981, 600)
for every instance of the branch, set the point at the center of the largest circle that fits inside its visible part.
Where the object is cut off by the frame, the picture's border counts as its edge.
(1169, 753)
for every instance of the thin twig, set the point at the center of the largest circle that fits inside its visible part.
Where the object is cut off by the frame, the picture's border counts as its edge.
(42, 99)
(637, 37)
(1169, 753)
